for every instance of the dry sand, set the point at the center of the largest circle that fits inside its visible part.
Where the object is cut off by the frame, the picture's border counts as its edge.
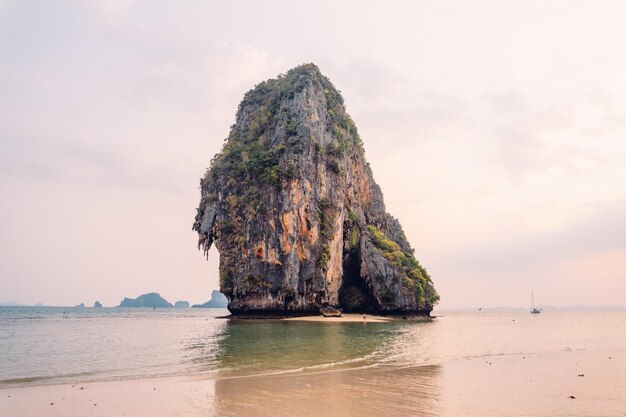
(511, 385)
(146, 397)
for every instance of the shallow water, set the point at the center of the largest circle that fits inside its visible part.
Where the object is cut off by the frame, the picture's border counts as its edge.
(54, 345)
(459, 364)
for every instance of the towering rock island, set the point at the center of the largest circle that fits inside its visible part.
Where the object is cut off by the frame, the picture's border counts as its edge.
(293, 208)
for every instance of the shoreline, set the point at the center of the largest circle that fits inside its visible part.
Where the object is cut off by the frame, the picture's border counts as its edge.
(357, 318)
(536, 384)
(344, 318)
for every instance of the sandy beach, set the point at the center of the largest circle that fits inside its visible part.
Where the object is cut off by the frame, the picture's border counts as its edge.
(461, 364)
(345, 318)
(550, 384)
(144, 397)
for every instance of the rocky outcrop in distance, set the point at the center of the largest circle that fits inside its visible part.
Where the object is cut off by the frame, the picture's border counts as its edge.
(151, 300)
(181, 304)
(218, 300)
(292, 206)
(97, 304)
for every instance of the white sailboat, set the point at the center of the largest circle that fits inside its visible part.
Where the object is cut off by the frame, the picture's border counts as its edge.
(533, 310)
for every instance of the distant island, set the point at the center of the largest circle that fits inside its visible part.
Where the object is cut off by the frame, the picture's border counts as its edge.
(81, 305)
(14, 304)
(218, 300)
(97, 304)
(11, 304)
(154, 300)
(150, 300)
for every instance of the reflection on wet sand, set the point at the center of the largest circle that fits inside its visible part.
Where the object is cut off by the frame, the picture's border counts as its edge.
(252, 347)
(379, 391)
(306, 369)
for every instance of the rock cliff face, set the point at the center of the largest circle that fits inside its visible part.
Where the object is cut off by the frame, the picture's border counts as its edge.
(293, 208)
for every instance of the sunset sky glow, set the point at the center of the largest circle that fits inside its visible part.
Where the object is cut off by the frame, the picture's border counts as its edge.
(496, 130)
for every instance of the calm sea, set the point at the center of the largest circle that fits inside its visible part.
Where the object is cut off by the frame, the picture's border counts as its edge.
(43, 345)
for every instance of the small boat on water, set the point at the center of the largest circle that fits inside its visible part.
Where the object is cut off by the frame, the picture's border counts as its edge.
(533, 310)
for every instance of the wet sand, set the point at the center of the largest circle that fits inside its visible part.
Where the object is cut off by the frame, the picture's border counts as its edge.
(345, 318)
(510, 385)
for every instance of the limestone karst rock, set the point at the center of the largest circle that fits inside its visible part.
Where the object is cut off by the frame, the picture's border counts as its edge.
(295, 213)
(218, 300)
(150, 300)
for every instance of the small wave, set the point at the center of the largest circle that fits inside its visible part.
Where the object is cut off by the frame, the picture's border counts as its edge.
(338, 363)
(27, 380)
(97, 377)
(44, 379)
(41, 379)
(313, 369)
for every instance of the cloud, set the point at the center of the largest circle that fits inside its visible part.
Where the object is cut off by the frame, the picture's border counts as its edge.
(431, 116)
(577, 160)
(232, 66)
(59, 159)
(228, 70)
(524, 135)
(109, 8)
(609, 118)
(166, 82)
(601, 227)
(519, 151)
(511, 101)
(370, 85)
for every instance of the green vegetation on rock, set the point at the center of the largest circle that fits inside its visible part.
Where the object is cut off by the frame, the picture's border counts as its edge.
(415, 277)
(250, 156)
(325, 212)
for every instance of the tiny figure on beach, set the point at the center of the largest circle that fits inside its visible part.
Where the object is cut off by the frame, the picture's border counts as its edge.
(364, 318)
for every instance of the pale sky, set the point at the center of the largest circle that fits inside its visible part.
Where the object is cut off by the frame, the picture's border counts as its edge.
(496, 129)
